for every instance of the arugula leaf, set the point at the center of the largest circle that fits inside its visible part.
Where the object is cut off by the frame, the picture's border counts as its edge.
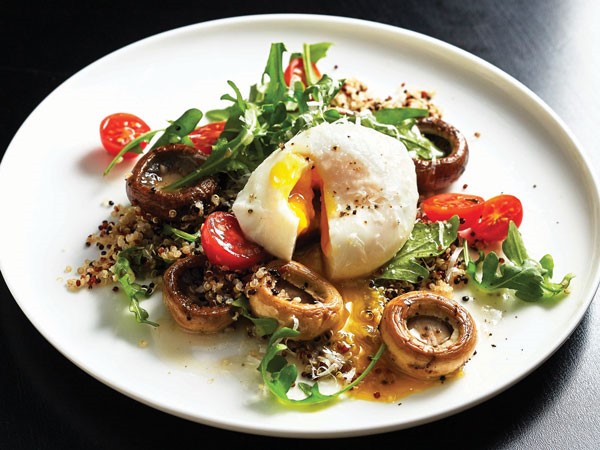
(168, 229)
(217, 115)
(530, 279)
(396, 116)
(176, 132)
(134, 291)
(279, 375)
(133, 147)
(263, 326)
(425, 241)
(307, 61)
(317, 51)
(311, 54)
(179, 129)
(276, 87)
(419, 144)
(272, 114)
(321, 93)
(399, 123)
(226, 154)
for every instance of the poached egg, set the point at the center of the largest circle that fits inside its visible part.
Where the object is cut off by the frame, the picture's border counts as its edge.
(354, 184)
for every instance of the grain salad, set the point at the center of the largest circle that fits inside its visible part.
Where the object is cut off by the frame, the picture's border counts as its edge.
(317, 217)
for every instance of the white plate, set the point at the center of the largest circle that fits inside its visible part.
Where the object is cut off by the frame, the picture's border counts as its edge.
(524, 149)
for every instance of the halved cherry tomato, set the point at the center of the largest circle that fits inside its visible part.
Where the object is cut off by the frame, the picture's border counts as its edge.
(496, 214)
(205, 136)
(224, 242)
(119, 129)
(443, 206)
(295, 70)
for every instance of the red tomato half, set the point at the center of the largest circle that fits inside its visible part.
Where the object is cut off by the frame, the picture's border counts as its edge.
(444, 206)
(205, 136)
(495, 217)
(224, 242)
(119, 129)
(295, 70)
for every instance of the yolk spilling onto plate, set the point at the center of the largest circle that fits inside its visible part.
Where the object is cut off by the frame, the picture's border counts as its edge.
(359, 338)
(384, 382)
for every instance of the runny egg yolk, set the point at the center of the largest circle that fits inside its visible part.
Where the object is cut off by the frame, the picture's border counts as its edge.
(300, 202)
(294, 177)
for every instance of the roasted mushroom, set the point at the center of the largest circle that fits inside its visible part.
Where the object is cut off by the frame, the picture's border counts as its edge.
(427, 335)
(298, 298)
(437, 174)
(161, 167)
(184, 298)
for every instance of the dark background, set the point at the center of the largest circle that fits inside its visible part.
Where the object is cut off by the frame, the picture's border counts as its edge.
(550, 46)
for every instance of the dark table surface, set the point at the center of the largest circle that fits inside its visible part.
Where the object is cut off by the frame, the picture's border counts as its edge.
(551, 46)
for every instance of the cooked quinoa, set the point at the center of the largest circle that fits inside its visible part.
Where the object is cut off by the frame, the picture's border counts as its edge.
(355, 96)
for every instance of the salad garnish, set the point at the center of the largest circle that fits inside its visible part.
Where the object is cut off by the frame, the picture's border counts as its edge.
(530, 279)
(125, 275)
(277, 108)
(176, 132)
(426, 241)
(279, 375)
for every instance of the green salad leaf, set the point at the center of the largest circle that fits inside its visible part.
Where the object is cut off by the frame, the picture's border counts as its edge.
(530, 279)
(312, 54)
(399, 123)
(189, 237)
(279, 375)
(176, 132)
(273, 80)
(272, 114)
(133, 147)
(126, 277)
(397, 116)
(263, 326)
(426, 240)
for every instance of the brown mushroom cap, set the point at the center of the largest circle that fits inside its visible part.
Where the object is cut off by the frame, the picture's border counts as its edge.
(186, 304)
(427, 335)
(295, 295)
(437, 174)
(160, 167)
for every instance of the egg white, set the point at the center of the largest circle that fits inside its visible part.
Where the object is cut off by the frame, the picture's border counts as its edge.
(369, 190)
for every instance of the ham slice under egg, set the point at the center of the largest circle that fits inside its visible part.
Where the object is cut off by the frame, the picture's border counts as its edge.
(368, 197)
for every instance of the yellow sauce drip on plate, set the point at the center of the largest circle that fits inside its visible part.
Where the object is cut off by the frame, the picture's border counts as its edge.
(359, 338)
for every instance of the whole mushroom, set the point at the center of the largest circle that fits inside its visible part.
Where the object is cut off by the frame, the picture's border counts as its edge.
(159, 168)
(184, 298)
(298, 298)
(427, 335)
(434, 175)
